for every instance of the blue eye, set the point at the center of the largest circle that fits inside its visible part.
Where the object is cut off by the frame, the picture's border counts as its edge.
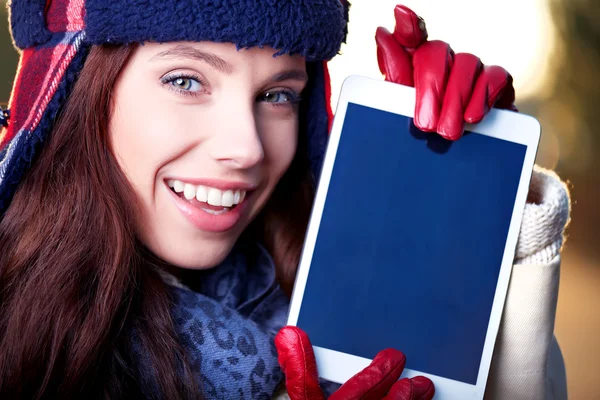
(279, 98)
(185, 84)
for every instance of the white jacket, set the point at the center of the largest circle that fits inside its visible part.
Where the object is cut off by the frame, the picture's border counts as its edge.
(527, 362)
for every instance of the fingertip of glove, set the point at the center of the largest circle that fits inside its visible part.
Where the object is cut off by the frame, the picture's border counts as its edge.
(411, 30)
(391, 354)
(475, 115)
(391, 360)
(297, 361)
(382, 32)
(425, 123)
(401, 8)
(290, 335)
(385, 39)
(423, 388)
(477, 108)
(450, 133)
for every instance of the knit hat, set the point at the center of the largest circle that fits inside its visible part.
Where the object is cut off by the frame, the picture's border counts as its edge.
(55, 37)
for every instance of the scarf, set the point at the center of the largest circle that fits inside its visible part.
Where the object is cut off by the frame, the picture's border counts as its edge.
(226, 319)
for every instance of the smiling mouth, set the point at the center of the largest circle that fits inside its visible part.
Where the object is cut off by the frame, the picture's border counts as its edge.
(210, 200)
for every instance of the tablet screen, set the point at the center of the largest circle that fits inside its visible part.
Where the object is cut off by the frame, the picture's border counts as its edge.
(410, 243)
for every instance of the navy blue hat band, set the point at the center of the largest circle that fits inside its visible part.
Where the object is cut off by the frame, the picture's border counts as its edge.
(314, 29)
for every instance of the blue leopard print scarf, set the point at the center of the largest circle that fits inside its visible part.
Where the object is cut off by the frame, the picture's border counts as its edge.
(226, 319)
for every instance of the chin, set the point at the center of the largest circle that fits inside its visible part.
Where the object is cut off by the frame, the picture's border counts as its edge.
(193, 255)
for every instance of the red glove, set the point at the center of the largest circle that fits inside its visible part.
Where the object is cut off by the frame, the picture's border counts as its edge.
(451, 88)
(378, 381)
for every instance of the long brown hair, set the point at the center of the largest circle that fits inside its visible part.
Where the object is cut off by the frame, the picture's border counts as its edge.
(74, 281)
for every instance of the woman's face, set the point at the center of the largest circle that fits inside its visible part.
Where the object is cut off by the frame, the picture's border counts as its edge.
(204, 132)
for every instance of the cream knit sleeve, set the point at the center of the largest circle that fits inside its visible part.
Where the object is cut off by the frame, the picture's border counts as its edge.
(527, 364)
(544, 220)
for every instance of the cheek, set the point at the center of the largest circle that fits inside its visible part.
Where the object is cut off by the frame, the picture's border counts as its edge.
(280, 139)
(141, 137)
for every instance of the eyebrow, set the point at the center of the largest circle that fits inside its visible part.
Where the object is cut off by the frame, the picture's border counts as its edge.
(186, 51)
(293, 74)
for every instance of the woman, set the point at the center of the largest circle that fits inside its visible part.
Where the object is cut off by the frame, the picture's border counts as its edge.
(155, 184)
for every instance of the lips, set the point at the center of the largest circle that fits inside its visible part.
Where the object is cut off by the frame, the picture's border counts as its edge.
(207, 194)
(209, 208)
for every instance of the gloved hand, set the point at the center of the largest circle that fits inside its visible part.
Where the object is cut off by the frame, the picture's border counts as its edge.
(378, 381)
(451, 88)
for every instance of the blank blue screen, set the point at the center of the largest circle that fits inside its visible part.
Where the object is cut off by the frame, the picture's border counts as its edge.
(410, 243)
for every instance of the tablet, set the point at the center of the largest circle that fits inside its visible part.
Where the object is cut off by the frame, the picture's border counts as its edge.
(411, 239)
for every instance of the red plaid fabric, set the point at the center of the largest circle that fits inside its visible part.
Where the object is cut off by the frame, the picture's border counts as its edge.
(41, 68)
(65, 15)
(40, 71)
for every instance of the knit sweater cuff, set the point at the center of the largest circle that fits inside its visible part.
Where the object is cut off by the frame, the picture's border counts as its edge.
(544, 220)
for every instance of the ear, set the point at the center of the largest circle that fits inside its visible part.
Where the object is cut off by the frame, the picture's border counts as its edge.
(28, 22)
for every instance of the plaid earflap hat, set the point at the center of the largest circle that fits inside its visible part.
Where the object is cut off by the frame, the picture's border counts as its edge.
(54, 37)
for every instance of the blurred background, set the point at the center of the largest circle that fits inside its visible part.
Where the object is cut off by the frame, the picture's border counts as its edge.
(552, 49)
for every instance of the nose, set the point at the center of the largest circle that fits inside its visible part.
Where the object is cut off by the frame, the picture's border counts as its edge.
(237, 140)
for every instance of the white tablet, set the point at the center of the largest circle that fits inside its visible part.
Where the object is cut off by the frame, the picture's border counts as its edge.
(411, 240)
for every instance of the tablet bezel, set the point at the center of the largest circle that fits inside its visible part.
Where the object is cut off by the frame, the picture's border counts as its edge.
(339, 367)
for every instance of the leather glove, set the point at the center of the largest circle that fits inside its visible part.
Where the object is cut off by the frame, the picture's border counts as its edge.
(451, 88)
(377, 381)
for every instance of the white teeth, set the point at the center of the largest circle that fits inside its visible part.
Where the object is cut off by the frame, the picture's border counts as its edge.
(214, 212)
(178, 186)
(202, 194)
(189, 191)
(214, 197)
(227, 199)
